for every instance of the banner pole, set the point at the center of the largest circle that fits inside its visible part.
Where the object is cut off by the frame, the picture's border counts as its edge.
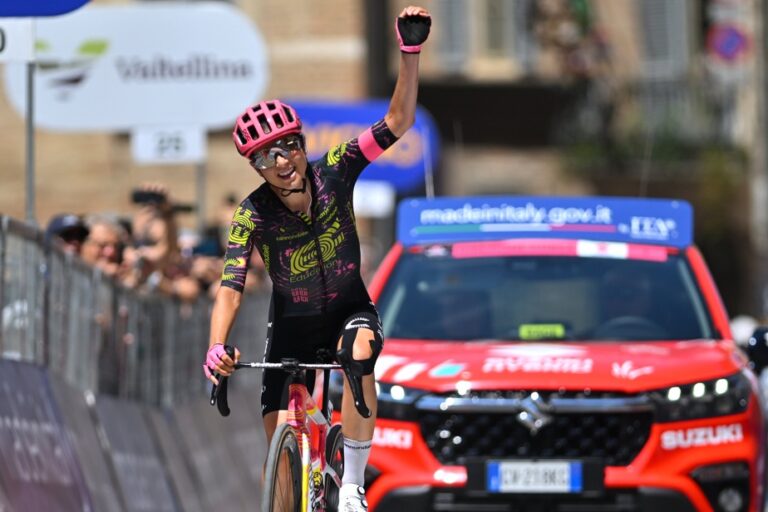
(30, 143)
(429, 176)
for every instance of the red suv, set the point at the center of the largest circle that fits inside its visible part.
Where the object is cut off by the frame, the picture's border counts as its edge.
(558, 354)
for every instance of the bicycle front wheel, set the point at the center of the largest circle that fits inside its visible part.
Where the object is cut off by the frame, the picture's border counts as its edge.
(282, 484)
(334, 456)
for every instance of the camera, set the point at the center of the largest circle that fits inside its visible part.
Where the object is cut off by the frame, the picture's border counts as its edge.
(139, 196)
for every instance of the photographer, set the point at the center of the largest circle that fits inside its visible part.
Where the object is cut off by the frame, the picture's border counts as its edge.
(154, 259)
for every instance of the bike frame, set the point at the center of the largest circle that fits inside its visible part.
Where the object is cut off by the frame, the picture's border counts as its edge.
(311, 426)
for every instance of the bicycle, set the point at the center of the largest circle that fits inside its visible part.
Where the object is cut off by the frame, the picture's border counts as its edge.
(305, 460)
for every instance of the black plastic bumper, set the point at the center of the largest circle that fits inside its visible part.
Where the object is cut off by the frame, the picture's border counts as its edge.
(424, 498)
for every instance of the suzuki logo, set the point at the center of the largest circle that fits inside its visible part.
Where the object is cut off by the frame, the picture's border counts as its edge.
(533, 414)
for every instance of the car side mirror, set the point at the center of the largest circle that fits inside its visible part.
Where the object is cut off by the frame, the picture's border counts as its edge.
(757, 349)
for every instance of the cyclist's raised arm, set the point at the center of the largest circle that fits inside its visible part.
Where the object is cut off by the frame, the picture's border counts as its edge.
(351, 157)
(412, 28)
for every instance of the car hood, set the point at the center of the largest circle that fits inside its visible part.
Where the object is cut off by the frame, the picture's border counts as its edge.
(618, 366)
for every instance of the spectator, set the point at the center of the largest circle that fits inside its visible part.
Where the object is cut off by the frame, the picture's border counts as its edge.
(67, 231)
(206, 261)
(155, 261)
(226, 209)
(104, 245)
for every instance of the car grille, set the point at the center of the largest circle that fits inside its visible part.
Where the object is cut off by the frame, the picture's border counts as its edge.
(615, 437)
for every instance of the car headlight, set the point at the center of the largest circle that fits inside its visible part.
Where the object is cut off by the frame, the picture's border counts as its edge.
(395, 402)
(704, 399)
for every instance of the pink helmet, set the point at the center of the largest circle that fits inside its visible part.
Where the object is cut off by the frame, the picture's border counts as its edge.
(263, 123)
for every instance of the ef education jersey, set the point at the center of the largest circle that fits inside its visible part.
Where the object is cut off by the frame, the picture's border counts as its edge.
(314, 263)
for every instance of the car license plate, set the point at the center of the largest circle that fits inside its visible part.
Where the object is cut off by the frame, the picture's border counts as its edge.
(551, 476)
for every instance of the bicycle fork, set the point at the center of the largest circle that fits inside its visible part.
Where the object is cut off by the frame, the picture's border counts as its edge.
(304, 416)
(313, 470)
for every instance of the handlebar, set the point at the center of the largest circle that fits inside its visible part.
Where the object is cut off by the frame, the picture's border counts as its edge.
(219, 393)
(289, 365)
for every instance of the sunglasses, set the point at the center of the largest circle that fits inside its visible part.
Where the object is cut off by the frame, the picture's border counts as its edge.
(265, 158)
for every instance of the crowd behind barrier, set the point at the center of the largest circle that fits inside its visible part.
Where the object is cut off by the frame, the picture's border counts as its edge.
(105, 407)
(100, 335)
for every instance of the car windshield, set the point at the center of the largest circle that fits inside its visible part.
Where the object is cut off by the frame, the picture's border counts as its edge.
(432, 295)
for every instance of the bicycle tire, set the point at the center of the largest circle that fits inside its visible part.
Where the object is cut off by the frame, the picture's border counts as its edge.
(334, 457)
(282, 494)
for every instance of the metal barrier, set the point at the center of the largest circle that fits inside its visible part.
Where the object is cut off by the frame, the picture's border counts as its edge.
(101, 337)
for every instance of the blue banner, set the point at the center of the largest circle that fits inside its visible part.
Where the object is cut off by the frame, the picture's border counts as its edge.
(34, 8)
(667, 222)
(403, 165)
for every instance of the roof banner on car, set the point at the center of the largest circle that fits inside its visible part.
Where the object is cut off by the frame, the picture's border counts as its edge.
(667, 222)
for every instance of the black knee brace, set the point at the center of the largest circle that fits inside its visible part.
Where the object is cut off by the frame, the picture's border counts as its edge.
(353, 368)
(360, 367)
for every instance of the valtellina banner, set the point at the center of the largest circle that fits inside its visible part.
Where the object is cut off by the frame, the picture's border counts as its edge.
(113, 68)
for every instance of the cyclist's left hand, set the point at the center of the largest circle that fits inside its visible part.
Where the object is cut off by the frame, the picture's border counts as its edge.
(412, 28)
(218, 361)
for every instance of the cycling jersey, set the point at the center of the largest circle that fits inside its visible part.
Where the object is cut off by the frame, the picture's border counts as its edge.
(313, 261)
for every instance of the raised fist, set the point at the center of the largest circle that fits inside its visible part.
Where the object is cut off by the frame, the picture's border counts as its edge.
(412, 28)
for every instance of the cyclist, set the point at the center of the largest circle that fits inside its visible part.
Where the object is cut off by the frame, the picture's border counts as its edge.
(301, 222)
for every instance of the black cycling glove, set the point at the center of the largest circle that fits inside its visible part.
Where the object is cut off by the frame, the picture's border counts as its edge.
(412, 31)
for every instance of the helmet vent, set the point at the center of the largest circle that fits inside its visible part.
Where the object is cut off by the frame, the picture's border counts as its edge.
(240, 136)
(264, 124)
(252, 132)
(288, 114)
(278, 120)
(246, 118)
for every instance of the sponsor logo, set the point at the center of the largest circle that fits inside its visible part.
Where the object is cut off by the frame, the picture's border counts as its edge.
(358, 323)
(537, 365)
(195, 67)
(306, 257)
(532, 414)
(627, 370)
(701, 437)
(505, 213)
(64, 77)
(651, 228)
(387, 437)
(335, 154)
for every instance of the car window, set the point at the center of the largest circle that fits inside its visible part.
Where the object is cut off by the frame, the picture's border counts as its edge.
(432, 295)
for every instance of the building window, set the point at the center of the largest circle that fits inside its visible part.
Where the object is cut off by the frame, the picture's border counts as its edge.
(483, 40)
(664, 29)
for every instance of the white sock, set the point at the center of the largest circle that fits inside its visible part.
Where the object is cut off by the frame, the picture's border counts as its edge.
(355, 458)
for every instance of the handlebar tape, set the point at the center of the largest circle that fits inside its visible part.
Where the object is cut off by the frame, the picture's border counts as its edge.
(219, 393)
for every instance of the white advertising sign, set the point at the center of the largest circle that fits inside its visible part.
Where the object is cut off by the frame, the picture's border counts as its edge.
(17, 40)
(168, 145)
(116, 67)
